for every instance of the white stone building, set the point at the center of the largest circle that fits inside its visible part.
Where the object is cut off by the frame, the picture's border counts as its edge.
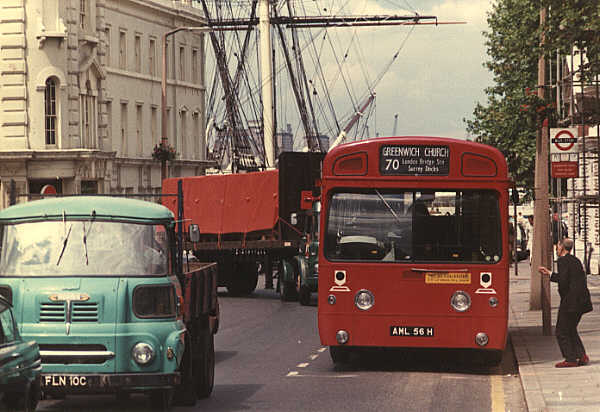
(80, 94)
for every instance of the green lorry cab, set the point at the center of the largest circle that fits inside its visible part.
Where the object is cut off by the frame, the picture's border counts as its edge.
(299, 275)
(99, 283)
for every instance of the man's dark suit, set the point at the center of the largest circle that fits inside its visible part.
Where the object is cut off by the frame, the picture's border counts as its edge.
(574, 302)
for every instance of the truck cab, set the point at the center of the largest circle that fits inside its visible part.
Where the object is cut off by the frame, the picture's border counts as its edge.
(98, 282)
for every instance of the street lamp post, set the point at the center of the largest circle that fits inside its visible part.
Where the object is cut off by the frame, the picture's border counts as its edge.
(164, 172)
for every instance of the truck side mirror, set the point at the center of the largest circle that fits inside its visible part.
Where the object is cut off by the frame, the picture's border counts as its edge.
(317, 207)
(194, 232)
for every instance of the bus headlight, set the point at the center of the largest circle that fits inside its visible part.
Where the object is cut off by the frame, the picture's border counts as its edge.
(364, 299)
(482, 339)
(460, 301)
(342, 337)
(142, 353)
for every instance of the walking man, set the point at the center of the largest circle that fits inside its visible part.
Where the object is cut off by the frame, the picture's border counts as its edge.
(574, 302)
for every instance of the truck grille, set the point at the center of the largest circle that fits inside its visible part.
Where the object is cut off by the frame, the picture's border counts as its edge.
(84, 312)
(52, 312)
(80, 312)
(75, 354)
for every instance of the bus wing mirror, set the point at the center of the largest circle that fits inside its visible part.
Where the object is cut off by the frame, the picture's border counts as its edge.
(194, 232)
(294, 219)
(317, 206)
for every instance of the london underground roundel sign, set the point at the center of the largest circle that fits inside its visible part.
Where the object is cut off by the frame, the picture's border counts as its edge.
(563, 140)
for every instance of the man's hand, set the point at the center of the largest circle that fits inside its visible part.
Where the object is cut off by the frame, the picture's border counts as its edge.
(544, 271)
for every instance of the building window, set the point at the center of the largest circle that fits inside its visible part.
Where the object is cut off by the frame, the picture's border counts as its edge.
(82, 13)
(88, 118)
(196, 136)
(182, 63)
(124, 129)
(50, 111)
(184, 134)
(154, 126)
(107, 36)
(138, 53)
(123, 50)
(195, 66)
(152, 57)
(139, 125)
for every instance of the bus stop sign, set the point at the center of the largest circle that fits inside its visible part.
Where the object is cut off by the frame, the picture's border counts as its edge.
(563, 141)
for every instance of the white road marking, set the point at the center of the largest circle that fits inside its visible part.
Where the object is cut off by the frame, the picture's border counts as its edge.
(293, 373)
(313, 357)
(322, 350)
(302, 365)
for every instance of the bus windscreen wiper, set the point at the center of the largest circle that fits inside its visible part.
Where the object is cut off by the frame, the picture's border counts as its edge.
(388, 206)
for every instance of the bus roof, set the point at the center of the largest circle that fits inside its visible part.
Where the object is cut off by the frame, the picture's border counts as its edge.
(82, 207)
(462, 160)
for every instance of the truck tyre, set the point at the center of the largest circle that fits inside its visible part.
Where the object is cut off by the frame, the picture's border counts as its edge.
(26, 401)
(288, 291)
(304, 295)
(204, 366)
(162, 399)
(339, 354)
(243, 280)
(185, 393)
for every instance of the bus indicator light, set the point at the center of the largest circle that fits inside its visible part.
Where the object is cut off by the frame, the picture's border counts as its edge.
(482, 339)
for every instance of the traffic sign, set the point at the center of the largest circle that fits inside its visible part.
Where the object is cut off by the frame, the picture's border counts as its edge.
(563, 140)
(562, 170)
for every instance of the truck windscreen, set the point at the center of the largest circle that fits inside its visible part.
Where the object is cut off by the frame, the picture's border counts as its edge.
(83, 248)
(408, 225)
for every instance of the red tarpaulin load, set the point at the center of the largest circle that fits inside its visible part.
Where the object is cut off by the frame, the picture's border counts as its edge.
(236, 203)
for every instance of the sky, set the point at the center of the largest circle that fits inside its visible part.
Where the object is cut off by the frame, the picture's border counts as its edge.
(438, 76)
(434, 83)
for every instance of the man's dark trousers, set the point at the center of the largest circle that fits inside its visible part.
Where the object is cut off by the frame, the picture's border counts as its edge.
(567, 337)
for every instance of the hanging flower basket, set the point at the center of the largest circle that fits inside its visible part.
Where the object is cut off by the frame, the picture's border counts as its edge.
(163, 151)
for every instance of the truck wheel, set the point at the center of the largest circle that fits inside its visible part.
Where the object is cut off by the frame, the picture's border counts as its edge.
(162, 399)
(304, 295)
(243, 280)
(288, 291)
(339, 354)
(185, 392)
(204, 366)
(27, 400)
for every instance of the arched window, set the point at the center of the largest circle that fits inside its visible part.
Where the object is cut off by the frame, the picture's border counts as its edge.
(50, 111)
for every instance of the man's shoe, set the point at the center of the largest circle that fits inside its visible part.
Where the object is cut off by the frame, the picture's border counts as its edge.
(585, 359)
(566, 364)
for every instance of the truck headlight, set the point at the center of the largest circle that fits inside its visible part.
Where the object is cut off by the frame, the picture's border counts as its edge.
(364, 299)
(142, 353)
(460, 301)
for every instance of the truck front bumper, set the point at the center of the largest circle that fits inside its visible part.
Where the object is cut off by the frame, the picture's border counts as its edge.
(108, 383)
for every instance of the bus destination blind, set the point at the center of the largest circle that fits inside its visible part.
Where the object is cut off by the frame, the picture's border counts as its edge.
(411, 160)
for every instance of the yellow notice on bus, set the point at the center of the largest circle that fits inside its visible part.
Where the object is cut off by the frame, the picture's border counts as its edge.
(448, 277)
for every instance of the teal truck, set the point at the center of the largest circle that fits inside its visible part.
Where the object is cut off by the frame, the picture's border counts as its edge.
(299, 275)
(101, 284)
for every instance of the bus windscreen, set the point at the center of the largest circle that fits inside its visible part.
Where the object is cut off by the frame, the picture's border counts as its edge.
(414, 226)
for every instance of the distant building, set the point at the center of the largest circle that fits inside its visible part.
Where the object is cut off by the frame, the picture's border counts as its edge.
(80, 90)
(285, 140)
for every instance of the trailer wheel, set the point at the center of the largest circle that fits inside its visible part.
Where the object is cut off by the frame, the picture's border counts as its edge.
(204, 366)
(243, 279)
(304, 295)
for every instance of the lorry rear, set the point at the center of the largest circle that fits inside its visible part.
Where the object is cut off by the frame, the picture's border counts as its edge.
(248, 221)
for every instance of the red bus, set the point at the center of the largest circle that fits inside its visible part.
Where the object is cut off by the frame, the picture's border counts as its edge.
(414, 246)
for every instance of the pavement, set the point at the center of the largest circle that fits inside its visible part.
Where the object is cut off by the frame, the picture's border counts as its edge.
(546, 388)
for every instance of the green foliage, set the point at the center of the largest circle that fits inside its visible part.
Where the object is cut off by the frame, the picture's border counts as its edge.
(574, 23)
(509, 118)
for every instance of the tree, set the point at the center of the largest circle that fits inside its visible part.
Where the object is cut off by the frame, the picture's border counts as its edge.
(509, 119)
